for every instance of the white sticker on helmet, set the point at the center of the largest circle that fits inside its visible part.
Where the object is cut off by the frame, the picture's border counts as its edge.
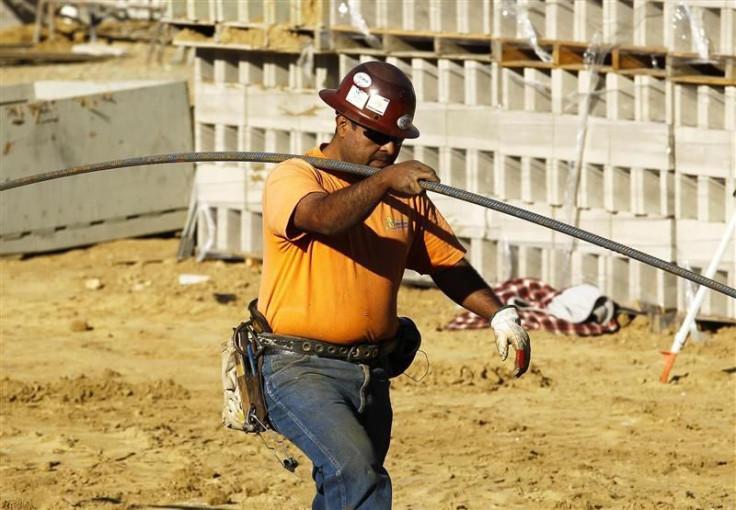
(362, 80)
(378, 104)
(356, 97)
(404, 121)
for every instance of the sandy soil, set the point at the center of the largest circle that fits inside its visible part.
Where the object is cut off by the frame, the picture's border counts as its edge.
(110, 398)
(110, 393)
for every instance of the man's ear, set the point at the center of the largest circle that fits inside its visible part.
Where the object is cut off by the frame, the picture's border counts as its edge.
(342, 125)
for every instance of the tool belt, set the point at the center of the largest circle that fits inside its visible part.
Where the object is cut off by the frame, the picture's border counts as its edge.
(244, 405)
(393, 355)
(363, 353)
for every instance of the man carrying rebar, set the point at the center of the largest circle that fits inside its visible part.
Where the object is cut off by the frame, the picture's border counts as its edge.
(335, 250)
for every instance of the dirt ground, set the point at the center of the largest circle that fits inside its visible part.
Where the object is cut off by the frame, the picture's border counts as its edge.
(111, 398)
(110, 394)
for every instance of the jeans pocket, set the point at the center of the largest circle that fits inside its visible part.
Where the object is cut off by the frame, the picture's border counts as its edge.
(277, 364)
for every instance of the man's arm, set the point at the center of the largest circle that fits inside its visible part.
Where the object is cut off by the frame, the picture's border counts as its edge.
(332, 213)
(464, 285)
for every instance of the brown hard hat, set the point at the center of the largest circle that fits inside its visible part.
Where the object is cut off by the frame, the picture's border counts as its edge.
(377, 96)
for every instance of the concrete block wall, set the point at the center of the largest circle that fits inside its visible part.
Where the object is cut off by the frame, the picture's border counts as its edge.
(636, 97)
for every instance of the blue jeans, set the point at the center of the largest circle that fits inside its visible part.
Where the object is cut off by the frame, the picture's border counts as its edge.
(339, 414)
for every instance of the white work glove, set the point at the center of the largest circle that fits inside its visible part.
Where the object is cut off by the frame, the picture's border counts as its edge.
(232, 405)
(507, 330)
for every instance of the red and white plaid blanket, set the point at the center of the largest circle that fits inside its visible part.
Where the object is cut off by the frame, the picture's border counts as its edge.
(536, 295)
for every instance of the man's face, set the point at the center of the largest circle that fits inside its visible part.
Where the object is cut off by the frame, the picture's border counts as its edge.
(365, 146)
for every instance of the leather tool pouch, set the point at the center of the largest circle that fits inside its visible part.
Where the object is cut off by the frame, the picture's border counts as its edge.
(242, 366)
(408, 342)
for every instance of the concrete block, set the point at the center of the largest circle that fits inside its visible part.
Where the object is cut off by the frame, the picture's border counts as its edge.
(475, 16)
(204, 137)
(557, 175)
(451, 81)
(425, 77)
(700, 240)
(250, 68)
(483, 177)
(507, 171)
(466, 219)
(221, 185)
(650, 22)
(227, 236)
(686, 191)
(617, 188)
(652, 192)
(46, 135)
(533, 180)
(221, 103)
(16, 93)
(617, 279)
(537, 90)
(591, 193)
(564, 89)
(277, 109)
(712, 196)
(618, 28)
(560, 20)
(477, 82)
(588, 19)
(442, 16)
(686, 104)
(531, 261)
(512, 88)
(650, 99)
(653, 286)
(483, 255)
(704, 152)
(711, 103)
(620, 102)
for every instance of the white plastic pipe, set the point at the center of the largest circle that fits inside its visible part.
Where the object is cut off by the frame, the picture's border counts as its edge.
(681, 335)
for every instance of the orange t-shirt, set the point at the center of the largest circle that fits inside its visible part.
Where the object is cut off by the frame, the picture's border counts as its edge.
(343, 288)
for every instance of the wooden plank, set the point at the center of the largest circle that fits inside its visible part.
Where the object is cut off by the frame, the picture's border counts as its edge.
(690, 68)
(21, 56)
(520, 53)
(639, 60)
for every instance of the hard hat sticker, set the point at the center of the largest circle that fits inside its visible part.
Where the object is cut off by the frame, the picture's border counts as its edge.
(356, 97)
(378, 104)
(362, 80)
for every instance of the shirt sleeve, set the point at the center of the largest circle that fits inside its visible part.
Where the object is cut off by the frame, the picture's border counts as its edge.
(285, 186)
(435, 247)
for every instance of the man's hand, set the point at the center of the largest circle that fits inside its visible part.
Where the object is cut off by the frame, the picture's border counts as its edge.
(404, 177)
(507, 330)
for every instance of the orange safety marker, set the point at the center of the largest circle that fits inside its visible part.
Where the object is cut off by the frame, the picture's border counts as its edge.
(669, 360)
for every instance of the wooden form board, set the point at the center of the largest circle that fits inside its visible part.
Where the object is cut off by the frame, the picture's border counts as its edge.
(415, 23)
(44, 135)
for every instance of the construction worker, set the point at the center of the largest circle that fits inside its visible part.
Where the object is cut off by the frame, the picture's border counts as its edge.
(334, 254)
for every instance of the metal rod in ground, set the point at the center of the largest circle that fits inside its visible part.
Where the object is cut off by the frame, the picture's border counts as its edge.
(342, 166)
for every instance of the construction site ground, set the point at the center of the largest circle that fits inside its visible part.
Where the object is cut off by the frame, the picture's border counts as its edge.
(111, 394)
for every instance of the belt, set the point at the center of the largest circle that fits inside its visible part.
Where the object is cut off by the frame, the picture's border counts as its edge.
(361, 353)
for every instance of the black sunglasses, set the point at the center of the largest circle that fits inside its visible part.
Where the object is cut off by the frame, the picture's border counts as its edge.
(377, 137)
